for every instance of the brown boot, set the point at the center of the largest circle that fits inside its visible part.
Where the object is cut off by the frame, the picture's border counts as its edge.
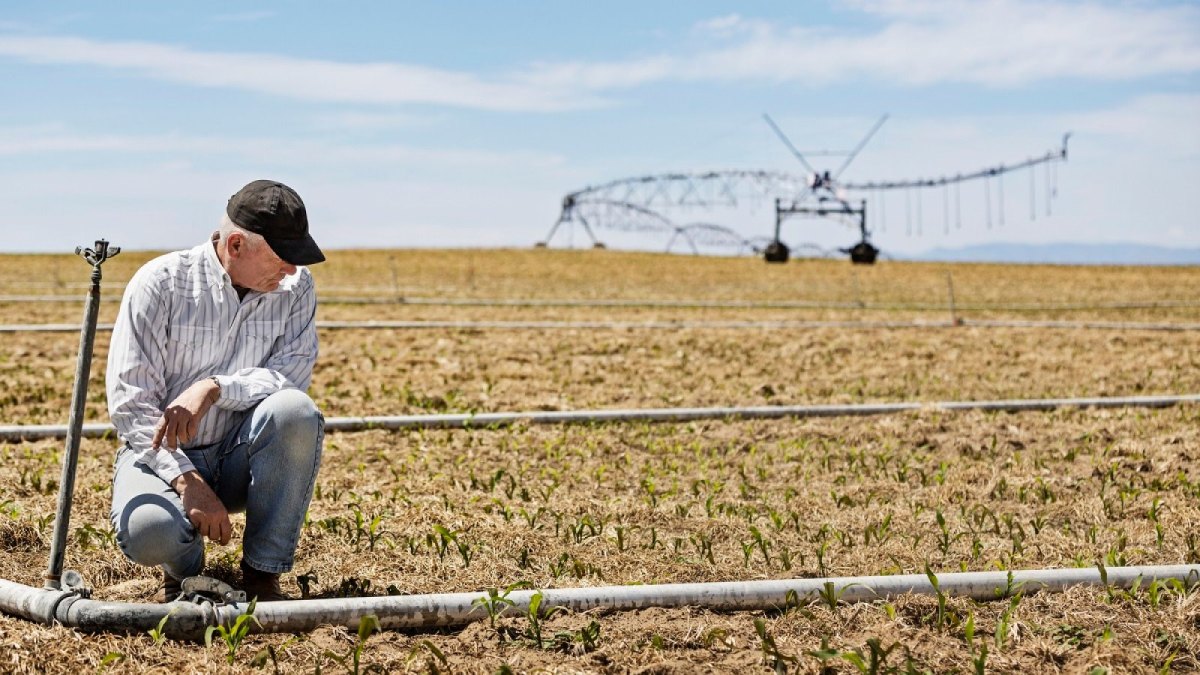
(261, 585)
(170, 589)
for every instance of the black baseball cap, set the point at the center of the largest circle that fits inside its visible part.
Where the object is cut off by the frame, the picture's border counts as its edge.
(276, 212)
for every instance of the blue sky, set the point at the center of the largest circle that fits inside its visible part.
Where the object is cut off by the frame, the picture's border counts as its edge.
(463, 124)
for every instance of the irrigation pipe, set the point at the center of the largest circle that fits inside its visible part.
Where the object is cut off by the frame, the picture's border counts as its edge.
(692, 304)
(671, 325)
(188, 620)
(1100, 325)
(538, 325)
(484, 420)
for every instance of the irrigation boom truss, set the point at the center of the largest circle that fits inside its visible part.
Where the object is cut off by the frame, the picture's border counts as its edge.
(638, 204)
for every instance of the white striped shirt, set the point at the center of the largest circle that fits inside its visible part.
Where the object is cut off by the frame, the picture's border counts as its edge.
(180, 322)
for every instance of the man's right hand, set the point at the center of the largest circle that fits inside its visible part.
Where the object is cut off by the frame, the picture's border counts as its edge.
(181, 419)
(205, 511)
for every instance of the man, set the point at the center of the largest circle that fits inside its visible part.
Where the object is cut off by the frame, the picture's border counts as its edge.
(211, 354)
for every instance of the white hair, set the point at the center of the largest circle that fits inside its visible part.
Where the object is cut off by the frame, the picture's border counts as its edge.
(228, 227)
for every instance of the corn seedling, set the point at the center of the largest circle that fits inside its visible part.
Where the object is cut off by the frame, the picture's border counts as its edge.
(85, 535)
(770, 651)
(305, 581)
(832, 596)
(944, 539)
(874, 660)
(585, 528)
(1010, 588)
(371, 530)
(880, 531)
(157, 633)
(427, 646)
(353, 587)
(762, 544)
(1005, 621)
(1154, 516)
(978, 655)
(584, 640)
(821, 559)
(445, 537)
(233, 635)
(496, 602)
(109, 659)
(1108, 589)
(558, 567)
(353, 659)
(714, 636)
(941, 615)
(620, 531)
(536, 616)
(1154, 593)
(824, 655)
(266, 654)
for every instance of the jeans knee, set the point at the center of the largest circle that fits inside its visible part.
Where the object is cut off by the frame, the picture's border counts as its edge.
(294, 416)
(150, 533)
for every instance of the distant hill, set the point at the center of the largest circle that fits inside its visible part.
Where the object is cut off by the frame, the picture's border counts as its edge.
(1065, 253)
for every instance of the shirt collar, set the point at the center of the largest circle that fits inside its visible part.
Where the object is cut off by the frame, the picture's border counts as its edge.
(214, 270)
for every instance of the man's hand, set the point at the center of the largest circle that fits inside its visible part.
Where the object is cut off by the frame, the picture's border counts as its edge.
(203, 508)
(181, 419)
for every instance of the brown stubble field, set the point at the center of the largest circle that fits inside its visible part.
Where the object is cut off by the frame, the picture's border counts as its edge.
(705, 501)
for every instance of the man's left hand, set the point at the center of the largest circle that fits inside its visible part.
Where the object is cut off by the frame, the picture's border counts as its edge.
(181, 419)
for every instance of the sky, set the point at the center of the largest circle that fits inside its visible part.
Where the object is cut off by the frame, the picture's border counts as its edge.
(452, 124)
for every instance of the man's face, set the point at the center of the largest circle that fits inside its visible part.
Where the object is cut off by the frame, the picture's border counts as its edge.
(255, 266)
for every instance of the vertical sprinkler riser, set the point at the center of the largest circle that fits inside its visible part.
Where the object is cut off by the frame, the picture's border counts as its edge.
(83, 367)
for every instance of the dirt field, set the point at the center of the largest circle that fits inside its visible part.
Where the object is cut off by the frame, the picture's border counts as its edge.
(638, 503)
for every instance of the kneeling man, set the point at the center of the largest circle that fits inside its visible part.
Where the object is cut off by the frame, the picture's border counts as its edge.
(211, 355)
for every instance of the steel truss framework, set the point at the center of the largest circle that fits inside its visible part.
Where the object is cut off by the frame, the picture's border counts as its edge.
(640, 203)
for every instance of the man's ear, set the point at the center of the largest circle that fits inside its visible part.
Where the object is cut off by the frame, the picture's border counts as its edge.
(235, 244)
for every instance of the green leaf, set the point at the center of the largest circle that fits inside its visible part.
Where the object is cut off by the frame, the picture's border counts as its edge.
(434, 650)
(367, 625)
(208, 633)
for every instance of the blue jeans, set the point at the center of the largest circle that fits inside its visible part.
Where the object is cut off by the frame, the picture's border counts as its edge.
(266, 467)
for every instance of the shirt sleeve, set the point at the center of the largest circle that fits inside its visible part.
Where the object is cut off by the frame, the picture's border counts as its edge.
(136, 363)
(290, 363)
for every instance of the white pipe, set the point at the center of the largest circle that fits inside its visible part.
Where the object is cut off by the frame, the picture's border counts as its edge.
(671, 325)
(14, 432)
(452, 609)
(536, 325)
(692, 304)
(1098, 325)
(539, 325)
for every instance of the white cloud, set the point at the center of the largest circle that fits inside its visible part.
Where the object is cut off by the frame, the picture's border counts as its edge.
(371, 121)
(51, 139)
(721, 24)
(306, 79)
(1164, 125)
(998, 43)
(731, 25)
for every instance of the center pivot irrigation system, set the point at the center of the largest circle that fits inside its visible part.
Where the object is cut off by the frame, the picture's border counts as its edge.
(641, 203)
(66, 599)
